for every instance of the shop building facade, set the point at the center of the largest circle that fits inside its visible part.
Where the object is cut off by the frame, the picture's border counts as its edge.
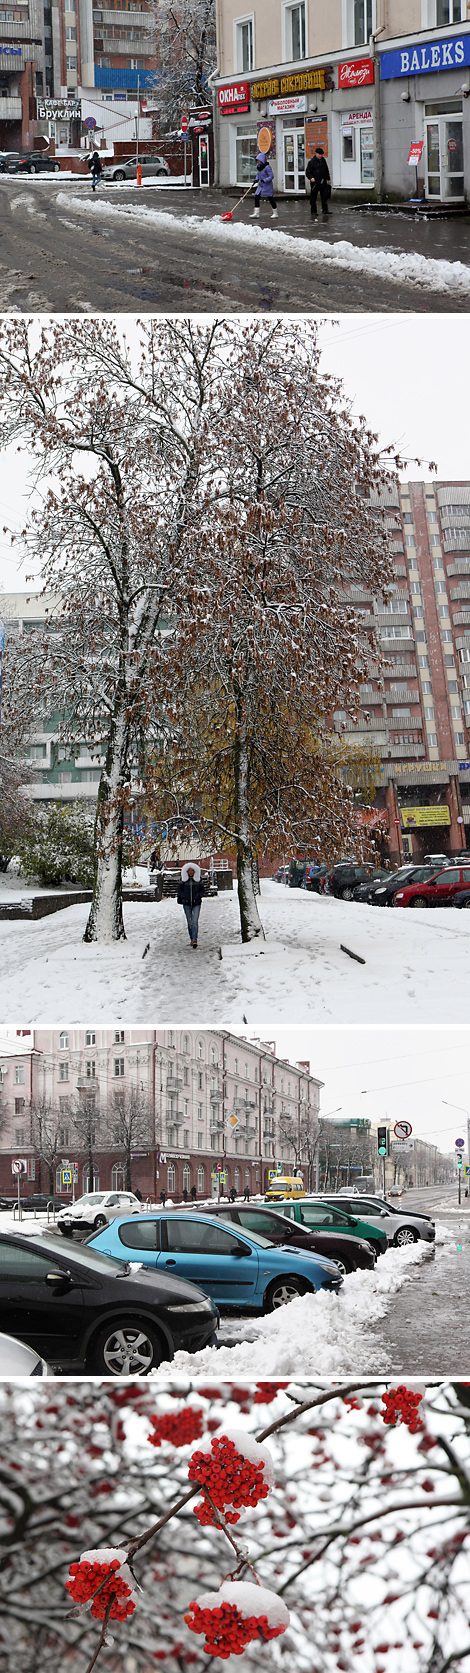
(347, 77)
(217, 1112)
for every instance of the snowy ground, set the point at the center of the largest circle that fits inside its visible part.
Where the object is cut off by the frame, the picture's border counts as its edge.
(400, 267)
(417, 966)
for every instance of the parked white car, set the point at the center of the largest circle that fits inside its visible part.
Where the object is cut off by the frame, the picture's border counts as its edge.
(18, 1360)
(96, 1209)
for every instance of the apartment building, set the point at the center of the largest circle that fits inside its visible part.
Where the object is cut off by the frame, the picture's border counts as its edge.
(366, 79)
(22, 72)
(417, 711)
(215, 1111)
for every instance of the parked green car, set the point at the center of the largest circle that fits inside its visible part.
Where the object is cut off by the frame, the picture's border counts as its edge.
(316, 1215)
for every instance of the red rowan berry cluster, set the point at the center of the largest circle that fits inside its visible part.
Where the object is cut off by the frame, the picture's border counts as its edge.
(266, 1392)
(229, 1476)
(206, 1514)
(229, 1628)
(178, 1427)
(87, 1575)
(401, 1405)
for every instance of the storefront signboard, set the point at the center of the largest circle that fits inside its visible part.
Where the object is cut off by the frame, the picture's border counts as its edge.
(11, 51)
(418, 60)
(287, 107)
(263, 129)
(359, 72)
(415, 816)
(416, 151)
(281, 86)
(59, 110)
(316, 133)
(234, 99)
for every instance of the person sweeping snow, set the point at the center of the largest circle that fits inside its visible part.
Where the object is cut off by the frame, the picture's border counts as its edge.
(264, 187)
(189, 896)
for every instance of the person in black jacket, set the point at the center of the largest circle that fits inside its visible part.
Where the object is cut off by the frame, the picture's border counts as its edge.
(318, 174)
(190, 894)
(94, 164)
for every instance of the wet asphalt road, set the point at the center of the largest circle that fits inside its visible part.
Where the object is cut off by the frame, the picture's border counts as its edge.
(55, 259)
(426, 1329)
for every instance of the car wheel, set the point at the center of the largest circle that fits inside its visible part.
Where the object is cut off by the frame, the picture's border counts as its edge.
(119, 174)
(342, 1267)
(32, 168)
(347, 894)
(404, 1236)
(161, 172)
(66, 1231)
(127, 1349)
(56, 169)
(466, 903)
(100, 1220)
(419, 900)
(283, 1290)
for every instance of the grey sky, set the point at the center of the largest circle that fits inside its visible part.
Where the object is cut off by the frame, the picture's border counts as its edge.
(406, 373)
(395, 1073)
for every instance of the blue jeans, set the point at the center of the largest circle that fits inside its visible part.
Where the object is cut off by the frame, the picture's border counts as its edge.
(192, 920)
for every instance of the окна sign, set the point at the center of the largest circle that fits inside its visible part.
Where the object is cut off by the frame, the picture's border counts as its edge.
(279, 86)
(234, 98)
(420, 60)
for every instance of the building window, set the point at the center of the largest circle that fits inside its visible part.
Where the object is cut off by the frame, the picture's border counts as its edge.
(118, 1068)
(185, 1042)
(448, 11)
(186, 1177)
(199, 1141)
(63, 1071)
(432, 740)
(201, 1180)
(186, 1076)
(244, 44)
(171, 1037)
(71, 63)
(295, 36)
(70, 34)
(459, 737)
(90, 1037)
(119, 1037)
(19, 1107)
(236, 1180)
(362, 22)
(19, 1135)
(63, 1042)
(171, 1177)
(19, 1074)
(63, 1136)
(90, 1068)
(200, 1112)
(186, 1138)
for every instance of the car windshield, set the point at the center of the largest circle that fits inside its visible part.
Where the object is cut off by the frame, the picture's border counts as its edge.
(92, 1259)
(93, 1197)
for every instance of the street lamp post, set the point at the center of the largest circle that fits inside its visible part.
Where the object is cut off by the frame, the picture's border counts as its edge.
(466, 1113)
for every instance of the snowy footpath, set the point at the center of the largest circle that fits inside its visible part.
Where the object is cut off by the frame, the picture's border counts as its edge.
(416, 969)
(397, 266)
(319, 1334)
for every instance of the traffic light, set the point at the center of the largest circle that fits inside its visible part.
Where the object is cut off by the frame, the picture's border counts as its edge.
(382, 1141)
(459, 1160)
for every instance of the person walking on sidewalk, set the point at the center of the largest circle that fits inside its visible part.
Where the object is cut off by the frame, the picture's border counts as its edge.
(317, 172)
(189, 896)
(264, 187)
(94, 164)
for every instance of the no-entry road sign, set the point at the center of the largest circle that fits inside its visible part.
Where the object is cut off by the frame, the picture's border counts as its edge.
(403, 1129)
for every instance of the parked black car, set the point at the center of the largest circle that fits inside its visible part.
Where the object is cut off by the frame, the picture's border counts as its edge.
(315, 879)
(347, 1252)
(7, 157)
(87, 1312)
(33, 162)
(344, 878)
(364, 891)
(462, 898)
(41, 1201)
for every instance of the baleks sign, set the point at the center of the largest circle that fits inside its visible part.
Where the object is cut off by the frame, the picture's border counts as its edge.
(417, 60)
(359, 72)
(234, 98)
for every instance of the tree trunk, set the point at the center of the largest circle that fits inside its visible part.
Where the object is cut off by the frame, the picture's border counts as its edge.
(105, 922)
(250, 921)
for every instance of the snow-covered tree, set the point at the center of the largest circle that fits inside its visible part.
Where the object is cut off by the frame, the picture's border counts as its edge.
(127, 1127)
(182, 37)
(360, 1527)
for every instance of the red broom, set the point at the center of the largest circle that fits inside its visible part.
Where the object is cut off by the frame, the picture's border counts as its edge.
(231, 212)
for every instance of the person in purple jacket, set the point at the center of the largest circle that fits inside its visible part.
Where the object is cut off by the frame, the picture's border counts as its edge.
(264, 187)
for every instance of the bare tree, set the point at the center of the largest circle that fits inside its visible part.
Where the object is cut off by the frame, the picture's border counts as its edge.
(128, 1126)
(182, 37)
(47, 1132)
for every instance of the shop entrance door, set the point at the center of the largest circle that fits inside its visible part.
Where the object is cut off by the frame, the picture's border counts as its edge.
(203, 160)
(444, 146)
(294, 160)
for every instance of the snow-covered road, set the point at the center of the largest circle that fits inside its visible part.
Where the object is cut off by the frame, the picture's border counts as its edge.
(417, 966)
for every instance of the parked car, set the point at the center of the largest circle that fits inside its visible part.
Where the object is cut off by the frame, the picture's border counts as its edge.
(17, 1360)
(285, 1185)
(7, 157)
(40, 1201)
(315, 879)
(84, 1311)
(344, 878)
(462, 898)
(236, 1269)
(95, 1208)
(437, 890)
(33, 162)
(384, 893)
(317, 1215)
(400, 1228)
(297, 873)
(281, 875)
(126, 168)
(363, 892)
(347, 1252)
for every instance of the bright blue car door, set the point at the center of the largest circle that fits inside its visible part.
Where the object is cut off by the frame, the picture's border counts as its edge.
(213, 1256)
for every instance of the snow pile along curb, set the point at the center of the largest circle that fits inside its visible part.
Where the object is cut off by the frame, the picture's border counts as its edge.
(400, 267)
(317, 1334)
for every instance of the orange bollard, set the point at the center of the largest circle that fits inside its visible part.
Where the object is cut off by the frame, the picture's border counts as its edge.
(139, 175)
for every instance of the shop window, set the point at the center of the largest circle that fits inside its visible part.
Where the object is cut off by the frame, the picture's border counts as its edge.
(244, 29)
(247, 146)
(117, 1177)
(171, 1177)
(186, 1177)
(201, 1180)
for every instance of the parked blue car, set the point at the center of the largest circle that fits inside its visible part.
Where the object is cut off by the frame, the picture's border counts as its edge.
(235, 1269)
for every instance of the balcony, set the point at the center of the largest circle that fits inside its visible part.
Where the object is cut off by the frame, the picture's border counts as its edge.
(217, 1097)
(174, 1116)
(11, 110)
(174, 1083)
(87, 1083)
